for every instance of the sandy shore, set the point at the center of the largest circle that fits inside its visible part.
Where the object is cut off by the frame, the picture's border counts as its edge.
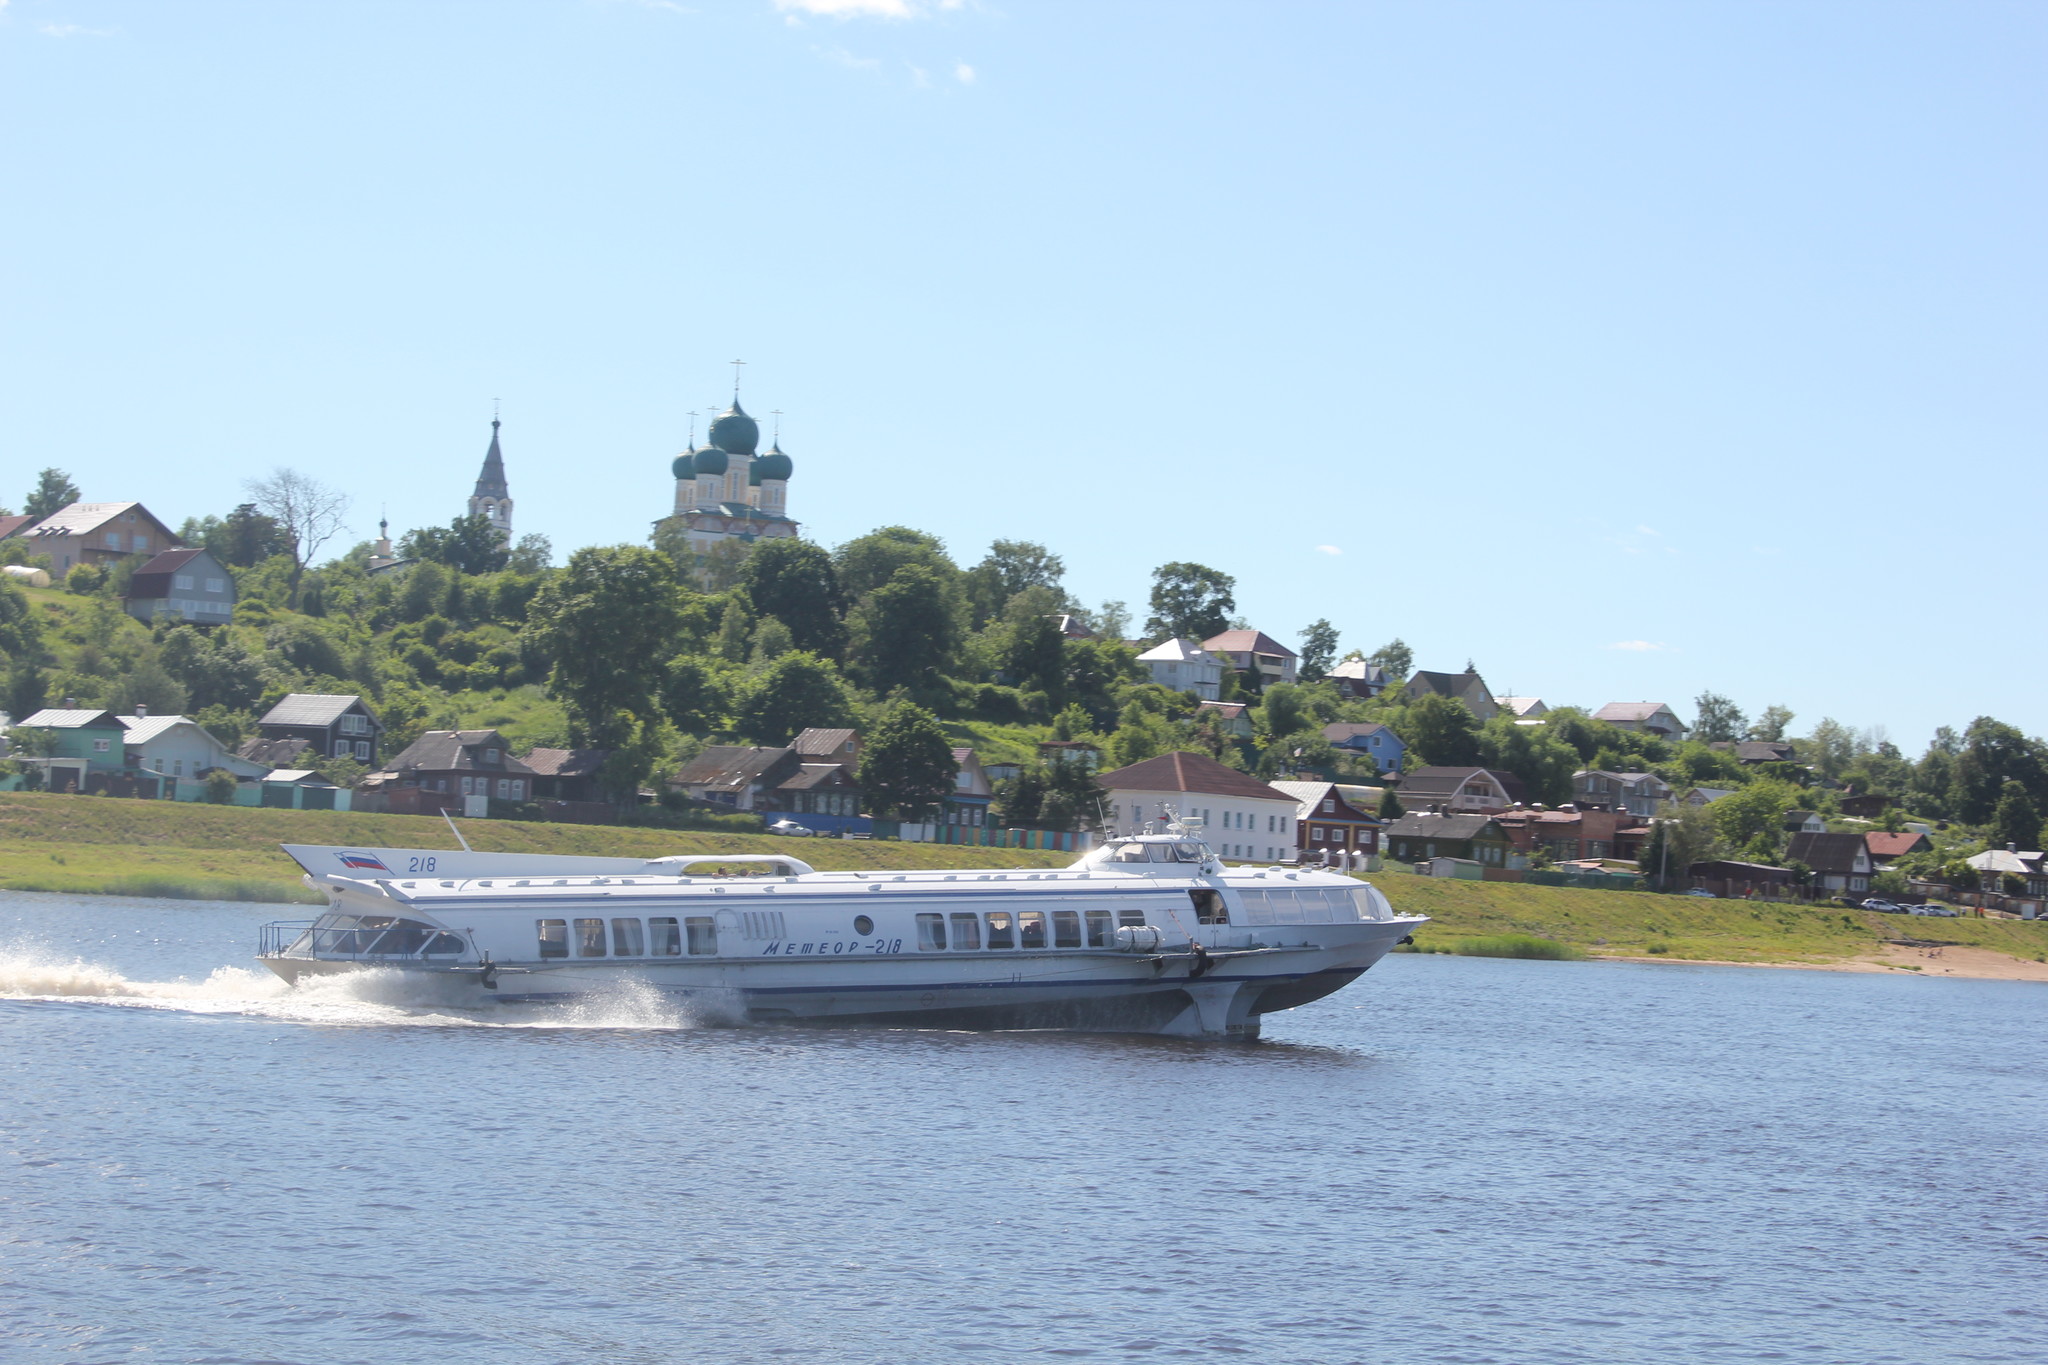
(1980, 964)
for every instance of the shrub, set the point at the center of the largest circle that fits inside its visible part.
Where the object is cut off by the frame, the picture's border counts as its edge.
(220, 787)
(1516, 945)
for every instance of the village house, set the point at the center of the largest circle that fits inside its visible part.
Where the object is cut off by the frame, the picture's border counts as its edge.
(1367, 739)
(1640, 794)
(968, 802)
(1422, 837)
(86, 751)
(1739, 881)
(1233, 718)
(1467, 687)
(1751, 752)
(181, 753)
(1256, 653)
(1359, 679)
(1645, 717)
(1051, 751)
(459, 770)
(1864, 805)
(1804, 822)
(184, 585)
(1704, 796)
(830, 746)
(1840, 862)
(1326, 821)
(1242, 817)
(329, 724)
(1183, 665)
(1459, 791)
(1568, 833)
(566, 774)
(1525, 710)
(95, 533)
(300, 789)
(776, 783)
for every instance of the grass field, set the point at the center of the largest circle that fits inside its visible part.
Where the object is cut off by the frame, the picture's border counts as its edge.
(162, 848)
(1638, 924)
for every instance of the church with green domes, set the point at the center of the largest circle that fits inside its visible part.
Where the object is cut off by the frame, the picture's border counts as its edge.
(727, 492)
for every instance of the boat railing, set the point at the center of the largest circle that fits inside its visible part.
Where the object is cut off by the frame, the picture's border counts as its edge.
(306, 938)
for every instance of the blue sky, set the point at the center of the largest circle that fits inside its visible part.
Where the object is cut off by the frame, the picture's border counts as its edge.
(1627, 350)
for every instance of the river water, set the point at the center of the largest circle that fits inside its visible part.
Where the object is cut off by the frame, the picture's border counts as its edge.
(1455, 1159)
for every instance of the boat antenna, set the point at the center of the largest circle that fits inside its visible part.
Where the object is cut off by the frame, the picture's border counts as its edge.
(456, 832)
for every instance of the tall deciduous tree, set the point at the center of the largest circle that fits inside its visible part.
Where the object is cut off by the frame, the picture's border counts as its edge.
(906, 631)
(308, 512)
(1718, 720)
(468, 544)
(1535, 753)
(867, 562)
(906, 765)
(1009, 568)
(1191, 600)
(794, 582)
(2015, 820)
(1396, 658)
(1318, 649)
(1994, 753)
(1441, 730)
(1755, 815)
(608, 621)
(794, 693)
(53, 492)
(1771, 725)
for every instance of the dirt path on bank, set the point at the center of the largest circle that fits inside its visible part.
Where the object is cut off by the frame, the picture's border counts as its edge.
(1981, 964)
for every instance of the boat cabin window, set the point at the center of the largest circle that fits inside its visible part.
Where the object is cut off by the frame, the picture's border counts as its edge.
(1209, 907)
(445, 943)
(1101, 926)
(1131, 919)
(931, 933)
(554, 938)
(1031, 928)
(627, 939)
(664, 937)
(703, 931)
(1066, 928)
(966, 933)
(1001, 934)
(1128, 853)
(590, 938)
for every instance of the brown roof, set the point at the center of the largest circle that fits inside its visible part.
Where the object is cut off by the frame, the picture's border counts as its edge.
(566, 762)
(1181, 771)
(456, 751)
(1884, 845)
(817, 741)
(153, 579)
(1246, 642)
(9, 525)
(1826, 852)
(809, 775)
(733, 766)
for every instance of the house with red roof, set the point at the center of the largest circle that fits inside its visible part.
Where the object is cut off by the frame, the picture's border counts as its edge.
(1885, 847)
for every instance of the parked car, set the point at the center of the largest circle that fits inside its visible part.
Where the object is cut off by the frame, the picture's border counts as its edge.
(1936, 911)
(1702, 893)
(790, 828)
(1885, 907)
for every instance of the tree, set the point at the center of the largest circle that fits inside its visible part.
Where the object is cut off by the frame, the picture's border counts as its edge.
(1390, 806)
(906, 632)
(21, 630)
(1676, 842)
(1035, 655)
(794, 582)
(534, 553)
(1009, 568)
(1830, 748)
(867, 562)
(906, 766)
(1318, 649)
(694, 697)
(607, 623)
(53, 492)
(1719, 719)
(1113, 621)
(220, 787)
(308, 512)
(1441, 730)
(1992, 754)
(469, 544)
(1283, 710)
(1396, 658)
(1190, 600)
(1753, 819)
(794, 693)
(1534, 753)
(2016, 821)
(1772, 723)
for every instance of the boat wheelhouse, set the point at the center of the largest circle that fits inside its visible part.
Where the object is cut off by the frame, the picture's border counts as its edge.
(1148, 933)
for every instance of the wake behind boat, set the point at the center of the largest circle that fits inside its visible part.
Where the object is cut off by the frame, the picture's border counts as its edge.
(1149, 933)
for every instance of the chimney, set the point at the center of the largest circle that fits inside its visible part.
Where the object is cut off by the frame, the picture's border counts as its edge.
(141, 711)
(2012, 848)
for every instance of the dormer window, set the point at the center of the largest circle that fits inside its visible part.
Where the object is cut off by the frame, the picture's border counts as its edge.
(491, 757)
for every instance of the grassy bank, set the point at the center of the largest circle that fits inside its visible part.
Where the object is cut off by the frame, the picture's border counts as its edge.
(1638, 924)
(159, 848)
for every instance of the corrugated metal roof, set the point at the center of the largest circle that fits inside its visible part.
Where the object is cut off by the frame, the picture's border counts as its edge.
(310, 708)
(52, 718)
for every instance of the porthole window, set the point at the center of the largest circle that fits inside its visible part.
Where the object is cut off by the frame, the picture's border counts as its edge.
(863, 926)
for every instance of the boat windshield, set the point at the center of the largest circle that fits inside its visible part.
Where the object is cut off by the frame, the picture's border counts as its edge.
(1134, 851)
(339, 935)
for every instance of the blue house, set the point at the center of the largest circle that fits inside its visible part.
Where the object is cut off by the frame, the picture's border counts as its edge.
(1368, 739)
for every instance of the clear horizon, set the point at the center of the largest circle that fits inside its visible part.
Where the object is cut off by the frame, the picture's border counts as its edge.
(1615, 349)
